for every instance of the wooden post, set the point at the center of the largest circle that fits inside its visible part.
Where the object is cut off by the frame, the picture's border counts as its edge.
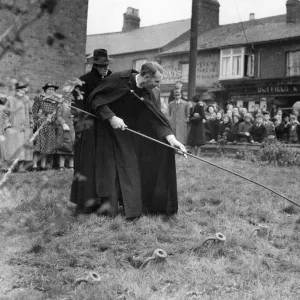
(193, 49)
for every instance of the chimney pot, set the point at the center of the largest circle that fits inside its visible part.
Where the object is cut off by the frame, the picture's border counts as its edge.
(131, 19)
(292, 11)
(252, 16)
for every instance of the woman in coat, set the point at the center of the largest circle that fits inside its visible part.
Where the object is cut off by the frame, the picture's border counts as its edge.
(18, 127)
(43, 107)
(196, 136)
(65, 135)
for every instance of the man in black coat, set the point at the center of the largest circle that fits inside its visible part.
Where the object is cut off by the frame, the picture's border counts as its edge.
(91, 79)
(117, 166)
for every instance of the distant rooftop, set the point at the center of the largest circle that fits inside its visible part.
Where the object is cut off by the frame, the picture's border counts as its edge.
(141, 39)
(256, 31)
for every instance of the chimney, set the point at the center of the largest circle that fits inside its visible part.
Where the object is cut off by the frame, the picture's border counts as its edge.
(292, 11)
(208, 15)
(252, 16)
(131, 19)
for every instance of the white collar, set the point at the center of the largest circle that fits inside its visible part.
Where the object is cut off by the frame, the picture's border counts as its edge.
(137, 83)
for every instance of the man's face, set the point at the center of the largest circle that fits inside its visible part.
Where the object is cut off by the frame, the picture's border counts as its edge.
(266, 118)
(102, 69)
(152, 81)
(177, 95)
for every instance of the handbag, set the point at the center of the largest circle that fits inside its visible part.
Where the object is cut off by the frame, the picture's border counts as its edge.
(65, 142)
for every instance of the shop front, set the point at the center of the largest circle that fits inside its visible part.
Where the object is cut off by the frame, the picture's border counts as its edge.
(264, 94)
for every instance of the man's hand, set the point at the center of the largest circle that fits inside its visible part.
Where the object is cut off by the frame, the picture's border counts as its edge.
(173, 142)
(247, 134)
(117, 123)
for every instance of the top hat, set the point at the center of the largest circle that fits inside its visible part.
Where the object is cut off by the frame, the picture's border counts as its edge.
(48, 85)
(21, 85)
(100, 57)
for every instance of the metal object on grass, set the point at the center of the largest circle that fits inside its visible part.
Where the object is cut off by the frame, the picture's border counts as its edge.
(218, 238)
(261, 231)
(91, 277)
(158, 255)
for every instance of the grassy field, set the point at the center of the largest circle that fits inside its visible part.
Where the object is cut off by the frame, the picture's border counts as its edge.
(45, 249)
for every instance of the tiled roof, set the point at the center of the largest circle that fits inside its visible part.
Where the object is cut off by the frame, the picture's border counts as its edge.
(256, 31)
(141, 39)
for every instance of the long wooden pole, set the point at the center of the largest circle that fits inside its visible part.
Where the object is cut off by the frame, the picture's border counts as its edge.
(193, 49)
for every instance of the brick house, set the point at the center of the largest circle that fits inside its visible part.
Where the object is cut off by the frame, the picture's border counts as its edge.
(40, 62)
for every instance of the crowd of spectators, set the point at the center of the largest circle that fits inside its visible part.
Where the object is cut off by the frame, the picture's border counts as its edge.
(49, 117)
(237, 125)
(196, 123)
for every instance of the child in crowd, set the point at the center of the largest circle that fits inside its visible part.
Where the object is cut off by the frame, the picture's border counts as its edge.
(212, 128)
(293, 130)
(232, 135)
(258, 131)
(280, 130)
(269, 125)
(224, 127)
(244, 129)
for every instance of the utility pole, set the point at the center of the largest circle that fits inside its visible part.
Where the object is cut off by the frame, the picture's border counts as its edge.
(193, 50)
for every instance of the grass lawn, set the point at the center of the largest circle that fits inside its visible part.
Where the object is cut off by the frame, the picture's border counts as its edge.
(45, 249)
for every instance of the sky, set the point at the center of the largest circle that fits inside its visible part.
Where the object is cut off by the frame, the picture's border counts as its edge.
(107, 15)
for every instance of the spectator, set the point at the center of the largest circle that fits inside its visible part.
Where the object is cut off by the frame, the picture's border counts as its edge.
(211, 113)
(229, 114)
(178, 86)
(196, 136)
(210, 128)
(65, 135)
(269, 125)
(279, 112)
(293, 130)
(43, 107)
(280, 130)
(18, 127)
(258, 131)
(244, 129)
(243, 113)
(224, 127)
(179, 113)
(228, 106)
(295, 112)
(235, 110)
(233, 133)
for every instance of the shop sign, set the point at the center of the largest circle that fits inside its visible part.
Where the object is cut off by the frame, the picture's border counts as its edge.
(277, 89)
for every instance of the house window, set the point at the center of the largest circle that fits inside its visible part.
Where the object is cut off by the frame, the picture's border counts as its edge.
(293, 63)
(137, 64)
(235, 63)
(184, 72)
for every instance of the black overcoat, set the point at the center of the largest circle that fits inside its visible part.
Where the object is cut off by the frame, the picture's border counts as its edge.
(196, 135)
(145, 170)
